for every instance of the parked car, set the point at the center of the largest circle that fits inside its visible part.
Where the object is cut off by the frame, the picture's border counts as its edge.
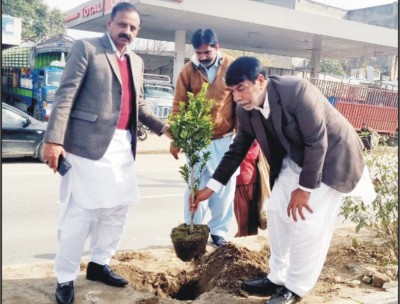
(159, 94)
(22, 135)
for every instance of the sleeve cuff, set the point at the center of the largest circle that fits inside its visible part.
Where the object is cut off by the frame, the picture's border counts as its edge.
(305, 189)
(214, 185)
(163, 129)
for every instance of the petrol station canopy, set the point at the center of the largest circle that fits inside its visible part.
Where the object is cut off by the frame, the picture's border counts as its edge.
(247, 25)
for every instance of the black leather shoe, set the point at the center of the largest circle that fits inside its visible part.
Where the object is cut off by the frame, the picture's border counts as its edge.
(283, 296)
(65, 292)
(262, 286)
(218, 240)
(103, 273)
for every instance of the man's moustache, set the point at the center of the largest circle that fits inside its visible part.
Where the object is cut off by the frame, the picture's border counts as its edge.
(124, 36)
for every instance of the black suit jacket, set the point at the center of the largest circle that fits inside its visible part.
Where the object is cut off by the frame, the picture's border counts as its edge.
(306, 127)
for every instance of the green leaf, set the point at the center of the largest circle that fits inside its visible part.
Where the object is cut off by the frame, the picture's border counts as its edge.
(192, 129)
(381, 216)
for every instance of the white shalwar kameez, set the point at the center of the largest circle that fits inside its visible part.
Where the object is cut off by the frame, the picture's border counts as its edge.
(94, 201)
(299, 249)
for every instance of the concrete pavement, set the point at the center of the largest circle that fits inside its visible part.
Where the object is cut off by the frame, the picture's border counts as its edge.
(153, 144)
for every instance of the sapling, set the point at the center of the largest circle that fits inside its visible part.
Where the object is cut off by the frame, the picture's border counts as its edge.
(192, 129)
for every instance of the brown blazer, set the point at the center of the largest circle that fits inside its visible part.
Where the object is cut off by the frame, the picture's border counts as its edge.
(88, 102)
(305, 126)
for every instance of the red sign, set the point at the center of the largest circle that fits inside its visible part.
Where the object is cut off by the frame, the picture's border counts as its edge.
(72, 17)
(92, 9)
(109, 4)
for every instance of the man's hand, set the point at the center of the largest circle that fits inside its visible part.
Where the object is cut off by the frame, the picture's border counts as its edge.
(200, 196)
(298, 201)
(167, 132)
(51, 153)
(174, 150)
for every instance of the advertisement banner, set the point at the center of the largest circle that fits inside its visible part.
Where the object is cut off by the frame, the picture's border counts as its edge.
(11, 30)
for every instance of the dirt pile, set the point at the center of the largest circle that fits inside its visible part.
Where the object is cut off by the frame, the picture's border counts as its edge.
(228, 266)
(224, 268)
(354, 261)
(357, 265)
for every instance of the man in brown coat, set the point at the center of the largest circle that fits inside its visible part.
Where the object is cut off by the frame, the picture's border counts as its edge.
(315, 157)
(209, 65)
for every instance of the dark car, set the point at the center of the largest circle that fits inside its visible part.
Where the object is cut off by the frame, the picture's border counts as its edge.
(21, 134)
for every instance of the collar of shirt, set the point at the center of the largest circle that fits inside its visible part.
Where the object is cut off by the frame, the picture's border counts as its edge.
(212, 70)
(115, 50)
(265, 110)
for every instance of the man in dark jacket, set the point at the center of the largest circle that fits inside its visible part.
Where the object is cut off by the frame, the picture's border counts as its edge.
(315, 157)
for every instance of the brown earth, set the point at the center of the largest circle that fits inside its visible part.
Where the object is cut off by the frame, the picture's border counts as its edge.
(158, 276)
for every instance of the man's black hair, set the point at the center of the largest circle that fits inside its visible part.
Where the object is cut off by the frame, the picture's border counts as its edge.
(124, 6)
(244, 68)
(204, 36)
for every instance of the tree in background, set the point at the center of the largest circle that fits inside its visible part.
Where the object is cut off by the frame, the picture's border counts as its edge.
(56, 22)
(37, 18)
(339, 67)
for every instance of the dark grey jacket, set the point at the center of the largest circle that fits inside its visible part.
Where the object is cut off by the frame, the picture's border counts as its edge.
(308, 129)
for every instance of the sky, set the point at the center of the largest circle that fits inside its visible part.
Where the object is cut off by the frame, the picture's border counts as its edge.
(345, 4)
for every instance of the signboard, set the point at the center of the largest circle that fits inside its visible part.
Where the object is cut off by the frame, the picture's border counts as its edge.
(85, 12)
(109, 4)
(11, 30)
(92, 9)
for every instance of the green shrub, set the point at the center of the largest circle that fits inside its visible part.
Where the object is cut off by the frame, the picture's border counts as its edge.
(192, 129)
(382, 215)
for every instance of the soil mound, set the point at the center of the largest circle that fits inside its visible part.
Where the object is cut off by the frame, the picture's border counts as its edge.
(358, 266)
(353, 260)
(228, 266)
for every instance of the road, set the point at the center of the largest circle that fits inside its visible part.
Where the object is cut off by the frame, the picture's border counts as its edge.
(30, 208)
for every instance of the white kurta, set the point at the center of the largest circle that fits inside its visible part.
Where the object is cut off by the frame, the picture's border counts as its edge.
(104, 183)
(94, 201)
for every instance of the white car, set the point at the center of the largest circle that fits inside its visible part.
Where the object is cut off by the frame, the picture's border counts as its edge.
(159, 94)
